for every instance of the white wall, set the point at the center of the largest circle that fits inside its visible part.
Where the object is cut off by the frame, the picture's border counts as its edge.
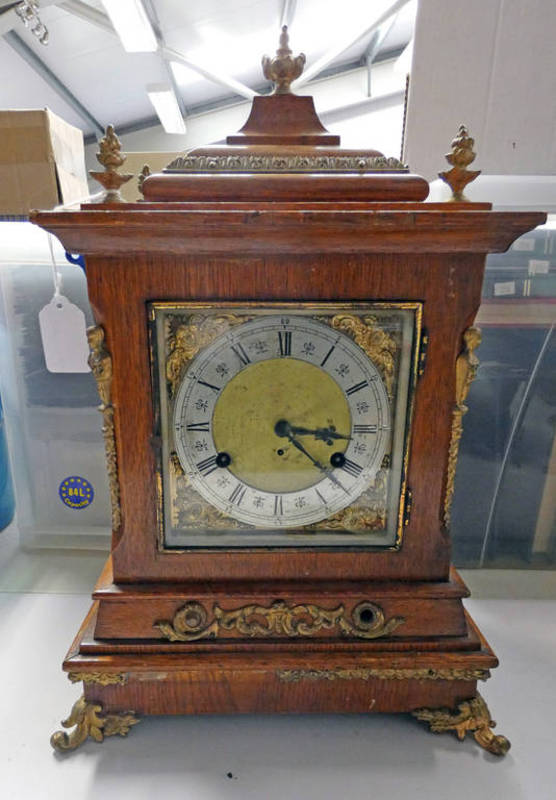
(490, 64)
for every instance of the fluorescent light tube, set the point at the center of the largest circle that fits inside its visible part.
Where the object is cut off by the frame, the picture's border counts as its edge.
(132, 25)
(166, 106)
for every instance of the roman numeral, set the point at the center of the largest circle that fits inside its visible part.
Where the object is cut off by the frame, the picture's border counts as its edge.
(207, 465)
(352, 389)
(278, 508)
(365, 428)
(352, 468)
(239, 350)
(238, 494)
(285, 339)
(327, 356)
(321, 498)
(210, 386)
(198, 426)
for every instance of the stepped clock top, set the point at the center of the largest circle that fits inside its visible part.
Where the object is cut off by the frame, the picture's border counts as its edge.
(284, 144)
(283, 152)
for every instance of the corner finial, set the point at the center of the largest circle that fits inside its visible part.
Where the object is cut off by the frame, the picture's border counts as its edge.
(460, 157)
(283, 69)
(143, 175)
(111, 158)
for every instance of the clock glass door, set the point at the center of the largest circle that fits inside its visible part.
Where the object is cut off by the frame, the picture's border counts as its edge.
(282, 425)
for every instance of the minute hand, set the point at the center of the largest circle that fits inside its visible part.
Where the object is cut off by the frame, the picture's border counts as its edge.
(317, 464)
(300, 447)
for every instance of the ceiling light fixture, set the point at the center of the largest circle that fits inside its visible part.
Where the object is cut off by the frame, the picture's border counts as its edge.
(132, 25)
(166, 106)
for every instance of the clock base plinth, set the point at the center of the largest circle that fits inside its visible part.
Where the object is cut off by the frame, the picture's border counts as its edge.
(126, 678)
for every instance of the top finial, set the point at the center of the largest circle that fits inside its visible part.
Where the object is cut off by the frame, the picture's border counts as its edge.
(460, 157)
(283, 69)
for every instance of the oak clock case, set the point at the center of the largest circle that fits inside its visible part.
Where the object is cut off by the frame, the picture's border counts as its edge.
(283, 426)
(283, 349)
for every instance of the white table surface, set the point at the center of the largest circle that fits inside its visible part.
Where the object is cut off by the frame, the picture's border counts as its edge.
(43, 599)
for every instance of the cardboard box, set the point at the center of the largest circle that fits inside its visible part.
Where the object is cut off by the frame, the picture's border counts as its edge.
(42, 162)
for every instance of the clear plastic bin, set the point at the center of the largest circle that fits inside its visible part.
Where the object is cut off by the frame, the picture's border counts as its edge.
(53, 426)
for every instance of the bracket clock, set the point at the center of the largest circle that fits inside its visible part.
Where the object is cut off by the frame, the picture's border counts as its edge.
(283, 349)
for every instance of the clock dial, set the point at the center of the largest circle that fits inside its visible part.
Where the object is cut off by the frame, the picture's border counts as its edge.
(281, 422)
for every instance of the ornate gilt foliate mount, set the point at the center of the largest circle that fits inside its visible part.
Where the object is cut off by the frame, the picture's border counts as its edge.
(260, 162)
(100, 362)
(460, 157)
(467, 364)
(191, 623)
(471, 716)
(111, 158)
(89, 720)
(100, 678)
(390, 674)
(283, 69)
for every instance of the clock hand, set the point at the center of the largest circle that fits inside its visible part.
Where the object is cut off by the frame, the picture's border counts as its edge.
(319, 433)
(300, 447)
(284, 429)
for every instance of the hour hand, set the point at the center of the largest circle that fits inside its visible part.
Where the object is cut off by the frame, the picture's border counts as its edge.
(285, 430)
(324, 434)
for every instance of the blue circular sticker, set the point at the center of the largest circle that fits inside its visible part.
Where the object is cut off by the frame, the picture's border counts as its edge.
(76, 492)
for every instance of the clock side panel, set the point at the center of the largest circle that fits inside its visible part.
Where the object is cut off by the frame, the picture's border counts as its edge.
(121, 287)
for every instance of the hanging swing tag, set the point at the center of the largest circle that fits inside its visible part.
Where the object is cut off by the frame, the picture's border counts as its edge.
(64, 336)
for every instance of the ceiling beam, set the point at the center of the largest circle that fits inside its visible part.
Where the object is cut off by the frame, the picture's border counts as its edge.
(369, 104)
(347, 42)
(288, 12)
(38, 65)
(88, 13)
(212, 75)
(374, 46)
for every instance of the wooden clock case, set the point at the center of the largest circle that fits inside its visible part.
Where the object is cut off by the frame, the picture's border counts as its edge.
(282, 630)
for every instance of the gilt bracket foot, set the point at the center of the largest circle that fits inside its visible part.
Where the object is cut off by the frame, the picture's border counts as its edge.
(471, 716)
(89, 720)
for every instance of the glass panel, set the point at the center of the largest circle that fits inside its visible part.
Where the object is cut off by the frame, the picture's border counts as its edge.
(283, 425)
(504, 510)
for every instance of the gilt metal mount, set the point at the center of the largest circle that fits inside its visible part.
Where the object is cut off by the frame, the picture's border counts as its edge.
(471, 716)
(191, 622)
(111, 157)
(87, 720)
(460, 157)
(283, 69)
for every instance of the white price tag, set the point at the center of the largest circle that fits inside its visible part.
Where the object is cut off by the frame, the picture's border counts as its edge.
(538, 267)
(64, 336)
(504, 287)
(524, 244)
